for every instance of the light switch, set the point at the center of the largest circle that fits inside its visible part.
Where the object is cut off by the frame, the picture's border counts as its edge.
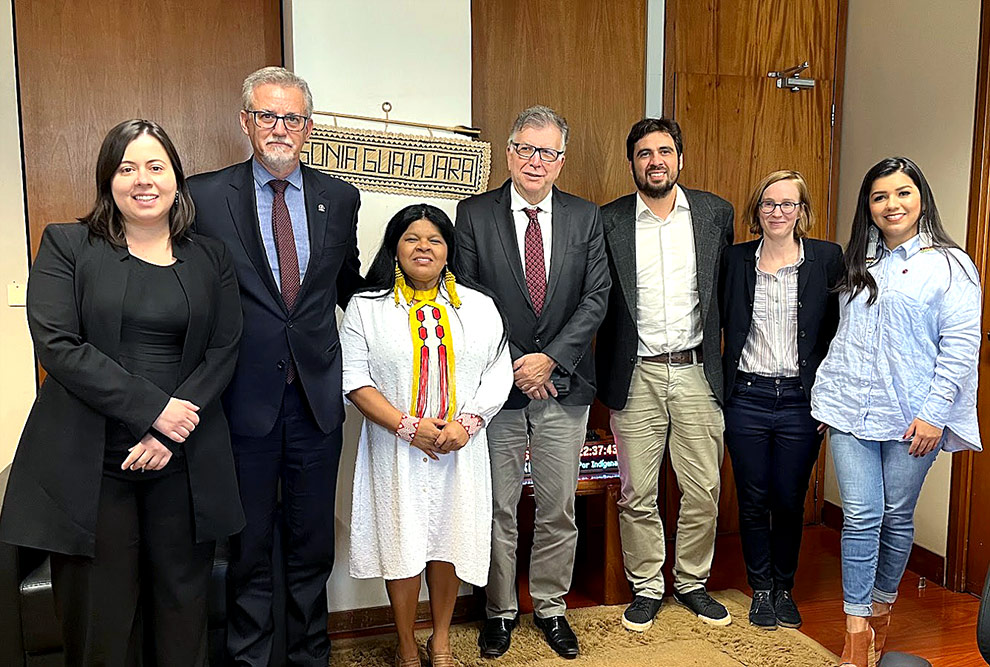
(16, 294)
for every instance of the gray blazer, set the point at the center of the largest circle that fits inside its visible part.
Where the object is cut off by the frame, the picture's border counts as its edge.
(616, 349)
(577, 288)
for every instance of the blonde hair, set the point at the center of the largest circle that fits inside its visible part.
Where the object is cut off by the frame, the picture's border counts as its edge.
(806, 217)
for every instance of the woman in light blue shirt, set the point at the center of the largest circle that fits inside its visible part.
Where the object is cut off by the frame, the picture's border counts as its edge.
(897, 385)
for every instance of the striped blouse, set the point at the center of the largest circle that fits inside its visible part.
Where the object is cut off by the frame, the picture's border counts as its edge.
(771, 347)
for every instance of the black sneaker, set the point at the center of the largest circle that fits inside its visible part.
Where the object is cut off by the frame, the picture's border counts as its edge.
(761, 612)
(639, 616)
(785, 610)
(704, 606)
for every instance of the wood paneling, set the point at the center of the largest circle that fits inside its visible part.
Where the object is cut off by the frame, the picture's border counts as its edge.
(585, 59)
(969, 527)
(85, 66)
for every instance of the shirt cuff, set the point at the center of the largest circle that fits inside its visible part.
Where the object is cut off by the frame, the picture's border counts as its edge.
(471, 423)
(935, 410)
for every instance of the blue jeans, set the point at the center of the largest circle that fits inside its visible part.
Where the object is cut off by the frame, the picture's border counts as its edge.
(879, 483)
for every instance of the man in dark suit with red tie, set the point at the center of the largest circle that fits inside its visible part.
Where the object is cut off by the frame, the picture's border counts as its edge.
(291, 232)
(542, 253)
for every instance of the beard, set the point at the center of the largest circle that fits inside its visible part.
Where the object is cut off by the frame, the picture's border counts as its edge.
(656, 191)
(277, 159)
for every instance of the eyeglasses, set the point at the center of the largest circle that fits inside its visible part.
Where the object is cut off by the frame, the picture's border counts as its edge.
(266, 120)
(786, 207)
(525, 151)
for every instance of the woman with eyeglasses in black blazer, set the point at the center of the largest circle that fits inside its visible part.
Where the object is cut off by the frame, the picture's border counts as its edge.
(779, 313)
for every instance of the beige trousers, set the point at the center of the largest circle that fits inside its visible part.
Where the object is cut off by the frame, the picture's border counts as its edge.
(669, 408)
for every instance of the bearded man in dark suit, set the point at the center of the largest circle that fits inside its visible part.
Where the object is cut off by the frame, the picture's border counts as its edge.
(660, 371)
(292, 233)
(541, 252)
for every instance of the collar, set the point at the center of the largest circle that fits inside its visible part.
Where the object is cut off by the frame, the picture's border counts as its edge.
(262, 175)
(680, 203)
(908, 249)
(800, 259)
(517, 203)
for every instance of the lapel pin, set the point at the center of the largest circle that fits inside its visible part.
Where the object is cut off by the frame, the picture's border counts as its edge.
(321, 208)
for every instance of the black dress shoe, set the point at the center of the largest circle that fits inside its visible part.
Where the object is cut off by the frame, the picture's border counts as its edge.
(495, 636)
(559, 635)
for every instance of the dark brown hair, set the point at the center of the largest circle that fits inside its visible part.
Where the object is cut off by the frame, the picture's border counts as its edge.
(651, 125)
(105, 219)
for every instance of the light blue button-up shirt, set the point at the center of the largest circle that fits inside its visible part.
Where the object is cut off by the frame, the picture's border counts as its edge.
(913, 353)
(296, 201)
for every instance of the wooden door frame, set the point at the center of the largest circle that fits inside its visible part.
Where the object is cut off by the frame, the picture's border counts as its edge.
(978, 247)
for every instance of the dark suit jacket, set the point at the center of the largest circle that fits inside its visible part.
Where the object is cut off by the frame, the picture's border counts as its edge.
(226, 210)
(818, 304)
(576, 290)
(618, 340)
(75, 296)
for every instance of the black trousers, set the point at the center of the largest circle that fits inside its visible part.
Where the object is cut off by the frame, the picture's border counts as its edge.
(144, 594)
(304, 460)
(773, 443)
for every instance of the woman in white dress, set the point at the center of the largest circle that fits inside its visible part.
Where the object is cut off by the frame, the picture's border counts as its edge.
(426, 362)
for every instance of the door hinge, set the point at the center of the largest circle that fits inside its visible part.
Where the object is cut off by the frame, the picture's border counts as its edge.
(833, 115)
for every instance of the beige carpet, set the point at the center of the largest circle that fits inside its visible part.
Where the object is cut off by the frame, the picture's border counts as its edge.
(677, 639)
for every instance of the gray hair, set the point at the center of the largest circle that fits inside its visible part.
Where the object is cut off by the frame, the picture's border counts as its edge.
(278, 76)
(540, 116)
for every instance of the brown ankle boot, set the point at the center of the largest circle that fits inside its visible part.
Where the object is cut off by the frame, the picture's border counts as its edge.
(880, 625)
(858, 650)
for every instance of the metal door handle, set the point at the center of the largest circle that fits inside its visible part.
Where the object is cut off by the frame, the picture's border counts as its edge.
(790, 78)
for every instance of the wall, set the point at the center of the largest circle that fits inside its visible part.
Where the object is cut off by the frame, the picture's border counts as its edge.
(910, 89)
(356, 55)
(17, 388)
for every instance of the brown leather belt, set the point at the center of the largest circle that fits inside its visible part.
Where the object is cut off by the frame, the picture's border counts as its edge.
(677, 358)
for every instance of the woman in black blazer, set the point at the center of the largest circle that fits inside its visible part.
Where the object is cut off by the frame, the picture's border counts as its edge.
(779, 312)
(124, 470)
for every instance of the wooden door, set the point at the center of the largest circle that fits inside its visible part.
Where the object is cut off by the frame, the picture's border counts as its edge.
(739, 126)
(969, 522)
(85, 66)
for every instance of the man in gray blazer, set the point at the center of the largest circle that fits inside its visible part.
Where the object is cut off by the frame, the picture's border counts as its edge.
(659, 367)
(541, 252)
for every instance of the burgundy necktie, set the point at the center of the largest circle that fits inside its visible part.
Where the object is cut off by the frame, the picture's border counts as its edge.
(288, 261)
(536, 274)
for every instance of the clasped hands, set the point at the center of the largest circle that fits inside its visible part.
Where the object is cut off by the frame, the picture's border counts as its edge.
(531, 373)
(177, 420)
(436, 436)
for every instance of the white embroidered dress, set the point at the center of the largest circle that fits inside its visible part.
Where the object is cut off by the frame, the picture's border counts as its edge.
(407, 508)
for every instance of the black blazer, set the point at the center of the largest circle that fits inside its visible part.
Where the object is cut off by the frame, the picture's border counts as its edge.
(577, 288)
(74, 301)
(226, 210)
(818, 304)
(618, 338)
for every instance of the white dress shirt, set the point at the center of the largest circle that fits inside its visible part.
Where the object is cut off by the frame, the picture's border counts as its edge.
(545, 218)
(668, 312)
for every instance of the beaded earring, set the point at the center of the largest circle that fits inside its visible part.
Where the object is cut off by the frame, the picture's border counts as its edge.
(400, 284)
(450, 284)
(925, 232)
(874, 246)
